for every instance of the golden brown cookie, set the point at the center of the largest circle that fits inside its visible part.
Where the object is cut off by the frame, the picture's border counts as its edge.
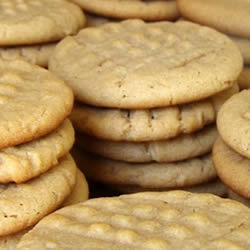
(232, 168)
(23, 205)
(24, 22)
(223, 15)
(233, 122)
(151, 10)
(138, 65)
(31, 103)
(176, 149)
(153, 220)
(146, 175)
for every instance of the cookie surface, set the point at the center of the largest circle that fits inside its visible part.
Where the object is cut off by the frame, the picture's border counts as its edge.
(232, 168)
(137, 65)
(225, 15)
(177, 149)
(233, 122)
(23, 162)
(147, 175)
(22, 205)
(153, 220)
(80, 191)
(146, 10)
(35, 54)
(148, 125)
(27, 95)
(244, 78)
(37, 21)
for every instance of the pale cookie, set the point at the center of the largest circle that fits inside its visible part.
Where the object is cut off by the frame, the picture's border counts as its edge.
(177, 149)
(148, 125)
(23, 205)
(137, 65)
(147, 175)
(33, 102)
(232, 168)
(28, 160)
(24, 22)
(150, 10)
(80, 191)
(233, 122)
(215, 187)
(153, 220)
(35, 54)
(244, 46)
(232, 195)
(244, 78)
(224, 15)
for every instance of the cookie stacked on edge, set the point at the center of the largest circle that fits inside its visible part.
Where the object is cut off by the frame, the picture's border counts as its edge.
(231, 152)
(147, 95)
(37, 173)
(229, 17)
(30, 29)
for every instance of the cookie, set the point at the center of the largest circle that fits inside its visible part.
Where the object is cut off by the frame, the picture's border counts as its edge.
(35, 54)
(232, 195)
(151, 10)
(146, 175)
(137, 65)
(38, 21)
(22, 205)
(80, 191)
(244, 46)
(233, 122)
(225, 14)
(177, 149)
(244, 78)
(215, 187)
(27, 95)
(232, 168)
(147, 125)
(153, 220)
(28, 160)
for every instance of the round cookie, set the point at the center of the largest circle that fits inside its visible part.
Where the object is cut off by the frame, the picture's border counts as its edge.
(232, 168)
(151, 10)
(177, 149)
(146, 175)
(148, 125)
(28, 160)
(80, 191)
(38, 21)
(137, 65)
(233, 122)
(23, 205)
(215, 187)
(228, 17)
(35, 54)
(244, 46)
(31, 105)
(153, 220)
(244, 78)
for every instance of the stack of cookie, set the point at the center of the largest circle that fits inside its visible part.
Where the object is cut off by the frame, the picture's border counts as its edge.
(30, 29)
(147, 99)
(231, 152)
(229, 17)
(37, 173)
(151, 10)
